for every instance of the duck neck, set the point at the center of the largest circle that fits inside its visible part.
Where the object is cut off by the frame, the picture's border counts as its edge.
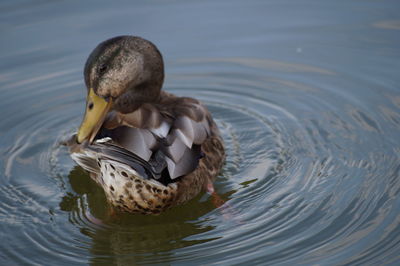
(133, 99)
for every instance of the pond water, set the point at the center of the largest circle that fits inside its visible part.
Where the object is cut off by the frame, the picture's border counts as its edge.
(307, 97)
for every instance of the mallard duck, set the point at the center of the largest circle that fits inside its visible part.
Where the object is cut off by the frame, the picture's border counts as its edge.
(148, 149)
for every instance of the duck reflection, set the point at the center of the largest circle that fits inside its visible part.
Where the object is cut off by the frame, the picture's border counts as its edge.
(128, 239)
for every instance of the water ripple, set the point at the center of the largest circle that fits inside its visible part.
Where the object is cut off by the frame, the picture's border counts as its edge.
(306, 178)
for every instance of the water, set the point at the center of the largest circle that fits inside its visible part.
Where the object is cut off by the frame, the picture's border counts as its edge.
(306, 95)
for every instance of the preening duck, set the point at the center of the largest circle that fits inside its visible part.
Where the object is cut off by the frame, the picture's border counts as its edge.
(148, 149)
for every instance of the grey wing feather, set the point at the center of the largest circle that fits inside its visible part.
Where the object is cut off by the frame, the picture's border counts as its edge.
(187, 163)
(137, 140)
(176, 149)
(202, 131)
(145, 139)
(113, 152)
(183, 155)
(185, 130)
(190, 131)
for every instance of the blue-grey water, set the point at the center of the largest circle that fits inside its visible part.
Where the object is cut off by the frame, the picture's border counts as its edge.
(307, 96)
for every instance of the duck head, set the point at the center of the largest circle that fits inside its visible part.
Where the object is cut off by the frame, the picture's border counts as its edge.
(121, 74)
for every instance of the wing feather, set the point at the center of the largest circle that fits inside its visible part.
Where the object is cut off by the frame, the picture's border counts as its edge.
(153, 137)
(137, 140)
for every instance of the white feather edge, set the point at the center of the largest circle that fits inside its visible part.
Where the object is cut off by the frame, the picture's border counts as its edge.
(162, 130)
(80, 159)
(187, 141)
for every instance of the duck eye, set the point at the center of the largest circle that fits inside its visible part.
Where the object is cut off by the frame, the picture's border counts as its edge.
(102, 68)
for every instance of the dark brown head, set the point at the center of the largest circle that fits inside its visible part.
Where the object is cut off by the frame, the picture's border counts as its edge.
(126, 68)
(121, 74)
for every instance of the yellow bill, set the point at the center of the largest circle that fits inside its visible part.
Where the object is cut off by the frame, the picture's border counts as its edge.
(96, 111)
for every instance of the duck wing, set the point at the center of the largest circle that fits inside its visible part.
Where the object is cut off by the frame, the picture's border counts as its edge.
(165, 138)
(100, 150)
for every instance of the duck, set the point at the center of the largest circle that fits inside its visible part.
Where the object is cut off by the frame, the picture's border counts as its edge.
(147, 148)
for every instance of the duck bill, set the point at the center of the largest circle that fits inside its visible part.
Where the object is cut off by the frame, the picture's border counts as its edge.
(96, 111)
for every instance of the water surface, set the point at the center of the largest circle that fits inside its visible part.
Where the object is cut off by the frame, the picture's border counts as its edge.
(307, 98)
